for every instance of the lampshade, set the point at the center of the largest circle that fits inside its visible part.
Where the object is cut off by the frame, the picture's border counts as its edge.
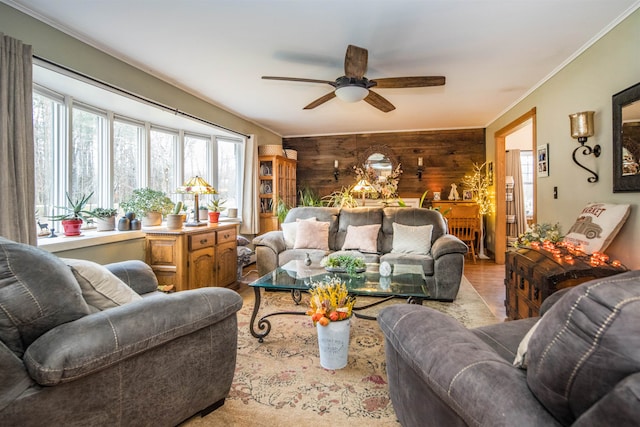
(363, 186)
(352, 93)
(509, 181)
(197, 185)
(582, 124)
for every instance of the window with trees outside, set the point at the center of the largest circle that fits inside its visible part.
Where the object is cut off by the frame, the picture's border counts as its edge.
(103, 144)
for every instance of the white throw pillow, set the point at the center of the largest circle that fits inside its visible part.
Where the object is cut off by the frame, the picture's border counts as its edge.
(100, 288)
(596, 226)
(363, 238)
(409, 239)
(521, 355)
(290, 229)
(312, 235)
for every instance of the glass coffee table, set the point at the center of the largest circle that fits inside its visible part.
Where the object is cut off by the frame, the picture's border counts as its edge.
(406, 281)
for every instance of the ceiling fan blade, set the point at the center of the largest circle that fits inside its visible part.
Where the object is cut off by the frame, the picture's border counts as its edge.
(355, 61)
(402, 82)
(379, 102)
(297, 79)
(321, 100)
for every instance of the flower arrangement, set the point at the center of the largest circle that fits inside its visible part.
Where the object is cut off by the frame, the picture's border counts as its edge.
(540, 233)
(386, 186)
(330, 301)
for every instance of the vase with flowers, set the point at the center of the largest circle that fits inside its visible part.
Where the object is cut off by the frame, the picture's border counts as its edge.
(330, 309)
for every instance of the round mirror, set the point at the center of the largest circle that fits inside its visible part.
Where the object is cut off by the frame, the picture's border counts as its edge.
(380, 164)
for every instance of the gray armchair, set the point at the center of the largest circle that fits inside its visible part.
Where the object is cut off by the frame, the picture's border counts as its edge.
(583, 362)
(155, 361)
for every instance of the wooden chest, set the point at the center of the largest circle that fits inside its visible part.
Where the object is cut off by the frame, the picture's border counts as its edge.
(531, 275)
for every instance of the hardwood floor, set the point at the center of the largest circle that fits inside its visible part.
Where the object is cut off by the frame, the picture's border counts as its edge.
(486, 276)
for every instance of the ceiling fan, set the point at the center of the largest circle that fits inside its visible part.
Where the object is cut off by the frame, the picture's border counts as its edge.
(354, 86)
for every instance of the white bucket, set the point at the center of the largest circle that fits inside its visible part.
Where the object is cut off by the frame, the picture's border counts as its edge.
(333, 341)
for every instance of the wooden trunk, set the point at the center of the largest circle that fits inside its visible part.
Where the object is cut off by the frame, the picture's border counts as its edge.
(531, 275)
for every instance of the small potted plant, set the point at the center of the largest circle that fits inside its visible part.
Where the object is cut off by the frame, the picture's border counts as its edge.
(175, 219)
(75, 214)
(150, 205)
(215, 207)
(105, 218)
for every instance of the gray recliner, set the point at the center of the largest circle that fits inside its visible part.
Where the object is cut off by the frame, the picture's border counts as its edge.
(155, 361)
(583, 362)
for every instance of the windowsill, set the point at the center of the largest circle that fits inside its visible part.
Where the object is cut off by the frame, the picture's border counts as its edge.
(93, 237)
(86, 239)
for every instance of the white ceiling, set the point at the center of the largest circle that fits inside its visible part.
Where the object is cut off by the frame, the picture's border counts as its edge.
(492, 52)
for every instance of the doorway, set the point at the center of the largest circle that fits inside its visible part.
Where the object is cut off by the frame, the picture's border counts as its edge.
(526, 121)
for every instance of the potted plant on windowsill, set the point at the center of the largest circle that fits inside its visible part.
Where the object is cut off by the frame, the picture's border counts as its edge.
(75, 214)
(105, 218)
(150, 205)
(215, 207)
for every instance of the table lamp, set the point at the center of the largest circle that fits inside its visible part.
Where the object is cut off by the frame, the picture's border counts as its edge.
(196, 186)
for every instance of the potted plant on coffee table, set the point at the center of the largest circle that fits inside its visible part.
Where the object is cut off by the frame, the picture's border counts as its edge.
(148, 204)
(105, 218)
(75, 214)
(215, 207)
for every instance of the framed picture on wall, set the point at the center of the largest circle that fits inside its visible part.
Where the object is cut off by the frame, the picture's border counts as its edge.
(467, 195)
(542, 160)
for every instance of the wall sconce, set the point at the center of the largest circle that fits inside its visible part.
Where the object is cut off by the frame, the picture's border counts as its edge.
(581, 129)
(336, 172)
(420, 169)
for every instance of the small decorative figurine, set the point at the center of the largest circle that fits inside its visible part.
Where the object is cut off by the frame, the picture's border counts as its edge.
(453, 195)
(307, 260)
(385, 269)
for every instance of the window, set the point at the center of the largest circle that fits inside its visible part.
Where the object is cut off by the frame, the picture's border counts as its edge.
(89, 139)
(128, 140)
(163, 169)
(526, 164)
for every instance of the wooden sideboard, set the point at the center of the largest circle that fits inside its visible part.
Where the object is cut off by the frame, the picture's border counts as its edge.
(193, 257)
(531, 275)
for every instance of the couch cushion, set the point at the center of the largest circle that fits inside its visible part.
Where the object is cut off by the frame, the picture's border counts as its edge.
(355, 217)
(312, 235)
(101, 289)
(363, 238)
(37, 293)
(290, 231)
(585, 344)
(321, 214)
(409, 216)
(597, 226)
(408, 239)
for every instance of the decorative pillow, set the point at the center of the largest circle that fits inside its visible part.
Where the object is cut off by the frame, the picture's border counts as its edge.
(37, 293)
(409, 239)
(242, 241)
(596, 226)
(312, 235)
(100, 287)
(521, 360)
(290, 229)
(363, 238)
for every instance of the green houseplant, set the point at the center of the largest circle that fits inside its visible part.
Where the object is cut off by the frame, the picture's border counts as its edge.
(74, 214)
(105, 218)
(215, 207)
(149, 205)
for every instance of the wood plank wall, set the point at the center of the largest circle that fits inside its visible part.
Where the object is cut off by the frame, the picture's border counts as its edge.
(447, 155)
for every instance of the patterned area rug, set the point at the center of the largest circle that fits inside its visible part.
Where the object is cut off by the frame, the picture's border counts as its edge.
(280, 382)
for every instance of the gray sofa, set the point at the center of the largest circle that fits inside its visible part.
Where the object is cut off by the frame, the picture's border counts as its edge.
(583, 362)
(157, 360)
(443, 265)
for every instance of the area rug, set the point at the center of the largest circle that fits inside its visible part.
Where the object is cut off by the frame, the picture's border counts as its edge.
(280, 382)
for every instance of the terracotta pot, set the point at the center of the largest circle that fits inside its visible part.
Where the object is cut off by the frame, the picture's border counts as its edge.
(71, 227)
(214, 216)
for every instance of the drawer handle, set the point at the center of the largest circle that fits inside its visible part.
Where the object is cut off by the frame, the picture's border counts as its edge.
(203, 241)
(226, 236)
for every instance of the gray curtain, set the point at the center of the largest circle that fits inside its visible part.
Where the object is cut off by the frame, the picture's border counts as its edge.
(17, 179)
(516, 207)
(250, 207)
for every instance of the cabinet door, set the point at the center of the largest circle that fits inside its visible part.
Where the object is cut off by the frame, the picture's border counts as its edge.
(164, 255)
(201, 268)
(227, 264)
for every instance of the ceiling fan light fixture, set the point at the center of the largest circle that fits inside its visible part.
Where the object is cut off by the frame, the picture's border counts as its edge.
(352, 93)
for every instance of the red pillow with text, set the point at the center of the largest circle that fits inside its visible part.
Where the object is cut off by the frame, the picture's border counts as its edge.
(596, 226)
